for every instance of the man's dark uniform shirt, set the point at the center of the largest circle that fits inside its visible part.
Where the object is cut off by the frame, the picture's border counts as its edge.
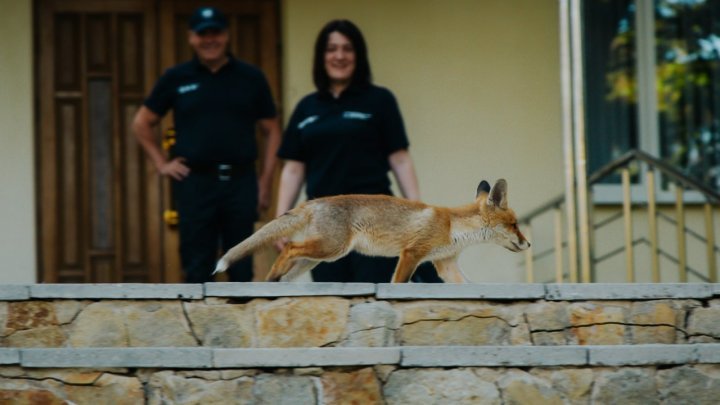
(215, 113)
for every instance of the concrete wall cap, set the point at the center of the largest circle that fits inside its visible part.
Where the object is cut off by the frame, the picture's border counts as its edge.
(117, 291)
(14, 292)
(496, 291)
(283, 289)
(616, 291)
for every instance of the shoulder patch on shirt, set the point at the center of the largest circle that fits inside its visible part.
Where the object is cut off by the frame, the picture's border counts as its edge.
(356, 115)
(188, 88)
(306, 121)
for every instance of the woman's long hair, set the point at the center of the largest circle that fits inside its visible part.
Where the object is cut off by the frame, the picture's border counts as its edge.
(361, 76)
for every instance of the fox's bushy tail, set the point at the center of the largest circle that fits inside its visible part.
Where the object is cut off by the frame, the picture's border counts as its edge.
(282, 226)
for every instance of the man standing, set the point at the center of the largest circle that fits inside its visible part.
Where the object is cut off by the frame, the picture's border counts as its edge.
(217, 101)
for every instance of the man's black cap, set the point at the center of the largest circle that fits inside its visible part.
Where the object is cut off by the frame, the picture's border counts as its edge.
(208, 18)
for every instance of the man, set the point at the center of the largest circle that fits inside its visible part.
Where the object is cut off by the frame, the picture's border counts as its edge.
(217, 101)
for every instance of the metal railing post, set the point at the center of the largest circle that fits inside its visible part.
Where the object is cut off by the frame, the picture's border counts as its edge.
(652, 225)
(680, 232)
(710, 243)
(627, 217)
(558, 246)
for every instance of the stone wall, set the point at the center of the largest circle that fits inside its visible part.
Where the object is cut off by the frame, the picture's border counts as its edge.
(360, 343)
(697, 384)
(356, 316)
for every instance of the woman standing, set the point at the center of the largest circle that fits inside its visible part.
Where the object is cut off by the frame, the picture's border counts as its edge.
(343, 139)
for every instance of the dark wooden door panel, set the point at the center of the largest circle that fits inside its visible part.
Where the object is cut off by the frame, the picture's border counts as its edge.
(99, 208)
(100, 201)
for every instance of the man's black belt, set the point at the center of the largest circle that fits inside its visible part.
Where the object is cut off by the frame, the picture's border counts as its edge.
(223, 171)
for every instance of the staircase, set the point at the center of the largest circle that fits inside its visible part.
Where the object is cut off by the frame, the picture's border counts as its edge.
(327, 343)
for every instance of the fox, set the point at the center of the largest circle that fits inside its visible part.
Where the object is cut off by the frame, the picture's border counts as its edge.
(329, 228)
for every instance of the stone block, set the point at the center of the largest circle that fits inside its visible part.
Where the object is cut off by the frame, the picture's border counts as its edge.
(106, 389)
(305, 357)
(46, 336)
(453, 386)
(598, 323)
(132, 324)
(372, 324)
(655, 322)
(301, 322)
(435, 323)
(688, 384)
(519, 387)
(117, 291)
(23, 315)
(225, 325)
(705, 321)
(117, 357)
(493, 356)
(573, 383)
(284, 390)
(494, 291)
(351, 387)
(634, 386)
(287, 289)
(168, 387)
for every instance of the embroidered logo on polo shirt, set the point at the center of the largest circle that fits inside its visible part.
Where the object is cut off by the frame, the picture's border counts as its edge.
(188, 88)
(355, 115)
(306, 121)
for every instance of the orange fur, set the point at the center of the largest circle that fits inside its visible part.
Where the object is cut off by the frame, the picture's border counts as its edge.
(378, 225)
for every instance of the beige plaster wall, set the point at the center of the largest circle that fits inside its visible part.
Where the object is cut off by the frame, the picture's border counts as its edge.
(17, 198)
(478, 85)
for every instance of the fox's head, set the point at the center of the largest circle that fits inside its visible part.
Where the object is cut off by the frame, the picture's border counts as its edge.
(500, 219)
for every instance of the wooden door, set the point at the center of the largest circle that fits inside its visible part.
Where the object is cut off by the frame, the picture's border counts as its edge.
(97, 194)
(100, 202)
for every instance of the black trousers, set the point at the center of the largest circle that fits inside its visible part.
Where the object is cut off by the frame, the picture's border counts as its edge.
(357, 268)
(215, 214)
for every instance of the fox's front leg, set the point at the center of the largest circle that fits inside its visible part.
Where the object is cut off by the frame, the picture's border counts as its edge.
(449, 271)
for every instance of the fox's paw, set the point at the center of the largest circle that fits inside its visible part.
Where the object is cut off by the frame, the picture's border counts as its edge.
(221, 266)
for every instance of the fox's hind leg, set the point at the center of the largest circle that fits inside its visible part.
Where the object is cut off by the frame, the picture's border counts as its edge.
(299, 268)
(409, 260)
(297, 254)
(449, 271)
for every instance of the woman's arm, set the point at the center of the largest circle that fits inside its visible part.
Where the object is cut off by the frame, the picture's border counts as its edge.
(291, 181)
(402, 166)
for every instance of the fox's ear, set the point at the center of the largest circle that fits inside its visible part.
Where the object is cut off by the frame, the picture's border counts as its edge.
(483, 188)
(498, 195)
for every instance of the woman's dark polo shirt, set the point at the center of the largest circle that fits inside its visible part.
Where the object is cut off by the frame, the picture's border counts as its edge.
(345, 142)
(215, 113)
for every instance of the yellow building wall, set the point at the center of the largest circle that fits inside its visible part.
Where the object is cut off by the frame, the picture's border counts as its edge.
(477, 82)
(478, 85)
(17, 176)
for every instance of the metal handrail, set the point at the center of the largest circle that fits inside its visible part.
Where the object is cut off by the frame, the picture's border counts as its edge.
(665, 168)
(683, 182)
(711, 195)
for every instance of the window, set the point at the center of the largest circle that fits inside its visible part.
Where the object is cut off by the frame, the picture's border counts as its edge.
(652, 81)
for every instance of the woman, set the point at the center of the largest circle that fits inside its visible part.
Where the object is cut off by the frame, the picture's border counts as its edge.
(343, 139)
